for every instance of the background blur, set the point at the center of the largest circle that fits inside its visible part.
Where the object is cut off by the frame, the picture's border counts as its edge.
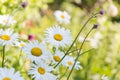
(38, 15)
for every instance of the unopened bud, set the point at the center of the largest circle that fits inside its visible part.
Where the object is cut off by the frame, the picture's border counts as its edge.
(95, 26)
(24, 4)
(102, 12)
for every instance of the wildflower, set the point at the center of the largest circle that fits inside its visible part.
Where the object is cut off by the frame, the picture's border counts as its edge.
(7, 20)
(69, 61)
(62, 16)
(7, 37)
(58, 36)
(41, 71)
(35, 51)
(57, 57)
(31, 37)
(20, 44)
(9, 74)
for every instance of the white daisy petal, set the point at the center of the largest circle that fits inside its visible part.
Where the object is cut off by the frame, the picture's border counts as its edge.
(62, 16)
(7, 20)
(9, 74)
(69, 61)
(7, 37)
(41, 71)
(58, 36)
(36, 51)
(20, 44)
(57, 56)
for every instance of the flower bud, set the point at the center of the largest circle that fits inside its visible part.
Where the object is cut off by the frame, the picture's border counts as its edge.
(24, 4)
(95, 26)
(31, 37)
(102, 12)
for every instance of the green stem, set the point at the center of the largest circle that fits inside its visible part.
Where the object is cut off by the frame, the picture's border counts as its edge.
(75, 39)
(81, 53)
(78, 53)
(19, 56)
(88, 67)
(3, 57)
(64, 74)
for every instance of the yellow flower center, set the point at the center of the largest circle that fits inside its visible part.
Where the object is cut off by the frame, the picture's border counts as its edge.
(58, 37)
(36, 51)
(70, 63)
(22, 45)
(56, 58)
(41, 70)
(5, 20)
(6, 78)
(5, 37)
(62, 16)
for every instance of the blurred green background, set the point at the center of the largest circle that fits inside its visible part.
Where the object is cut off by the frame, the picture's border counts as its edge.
(38, 15)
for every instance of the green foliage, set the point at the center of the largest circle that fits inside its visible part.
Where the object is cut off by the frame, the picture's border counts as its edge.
(38, 16)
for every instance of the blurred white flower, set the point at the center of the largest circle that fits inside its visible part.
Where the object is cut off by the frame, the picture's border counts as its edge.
(95, 77)
(108, 59)
(104, 78)
(41, 71)
(9, 74)
(102, 19)
(94, 42)
(3, 1)
(58, 36)
(97, 35)
(78, 1)
(20, 44)
(80, 39)
(68, 61)
(7, 20)
(62, 16)
(112, 10)
(7, 37)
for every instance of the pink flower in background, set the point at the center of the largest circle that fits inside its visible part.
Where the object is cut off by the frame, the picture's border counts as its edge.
(31, 37)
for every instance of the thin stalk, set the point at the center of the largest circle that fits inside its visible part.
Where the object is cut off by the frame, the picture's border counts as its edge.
(85, 52)
(78, 49)
(88, 67)
(79, 53)
(64, 73)
(3, 56)
(75, 39)
(19, 56)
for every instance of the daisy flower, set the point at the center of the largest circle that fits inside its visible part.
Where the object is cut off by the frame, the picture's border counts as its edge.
(58, 36)
(36, 51)
(57, 57)
(7, 20)
(20, 44)
(69, 61)
(9, 74)
(41, 71)
(7, 37)
(62, 16)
